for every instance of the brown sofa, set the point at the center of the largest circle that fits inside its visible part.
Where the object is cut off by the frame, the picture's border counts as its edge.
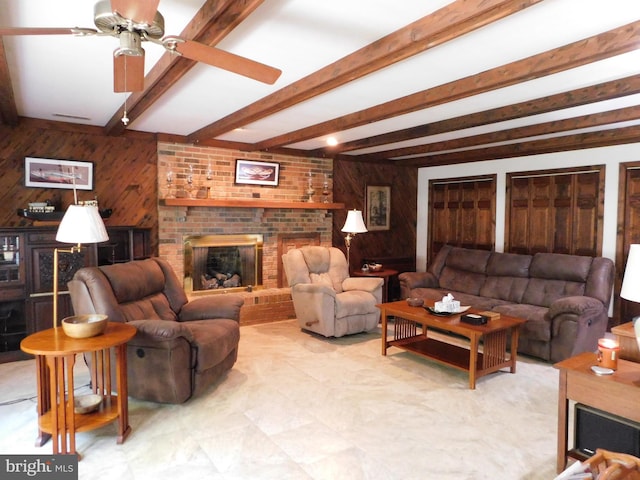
(181, 346)
(564, 298)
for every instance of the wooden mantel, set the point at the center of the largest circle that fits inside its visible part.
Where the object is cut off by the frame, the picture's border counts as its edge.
(248, 203)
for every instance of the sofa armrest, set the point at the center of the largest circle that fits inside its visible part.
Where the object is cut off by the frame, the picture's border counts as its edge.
(578, 305)
(211, 307)
(161, 330)
(367, 284)
(411, 280)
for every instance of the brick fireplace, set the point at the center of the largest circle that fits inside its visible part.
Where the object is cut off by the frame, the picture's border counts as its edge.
(213, 171)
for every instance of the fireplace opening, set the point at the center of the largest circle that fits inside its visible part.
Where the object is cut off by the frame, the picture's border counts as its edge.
(219, 263)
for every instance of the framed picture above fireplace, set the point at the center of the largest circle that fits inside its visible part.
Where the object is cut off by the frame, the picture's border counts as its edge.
(251, 172)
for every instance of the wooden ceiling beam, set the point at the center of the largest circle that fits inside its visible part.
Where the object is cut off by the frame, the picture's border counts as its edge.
(546, 128)
(574, 98)
(214, 21)
(601, 138)
(599, 47)
(454, 20)
(8, 109)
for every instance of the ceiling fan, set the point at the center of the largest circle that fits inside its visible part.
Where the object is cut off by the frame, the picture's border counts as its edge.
(136, 21)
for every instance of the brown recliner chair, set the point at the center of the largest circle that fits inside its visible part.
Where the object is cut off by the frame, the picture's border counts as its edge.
(181, 346)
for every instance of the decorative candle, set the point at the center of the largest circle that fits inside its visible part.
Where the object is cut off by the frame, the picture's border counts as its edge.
(608, 352)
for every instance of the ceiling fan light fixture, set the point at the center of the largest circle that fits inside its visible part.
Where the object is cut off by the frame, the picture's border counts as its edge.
(129, 45)
(112, 23)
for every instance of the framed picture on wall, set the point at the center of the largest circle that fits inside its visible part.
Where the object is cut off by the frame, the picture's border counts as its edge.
(378, 207)
(250, 172)
(68, 174)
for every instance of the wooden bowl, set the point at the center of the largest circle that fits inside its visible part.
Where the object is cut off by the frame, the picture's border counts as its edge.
(84, 326)
(87, 403)
(375, 267)
(415, 302)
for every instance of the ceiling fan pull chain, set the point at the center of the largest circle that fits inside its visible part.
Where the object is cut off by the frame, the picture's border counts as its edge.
(125, 119)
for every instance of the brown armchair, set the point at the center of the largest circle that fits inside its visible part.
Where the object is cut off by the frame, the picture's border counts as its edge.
(181, 346)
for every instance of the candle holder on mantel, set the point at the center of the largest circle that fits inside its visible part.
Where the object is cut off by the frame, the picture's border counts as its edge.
(190, 182)
(325, 190)
(169, 184)
(310, 189)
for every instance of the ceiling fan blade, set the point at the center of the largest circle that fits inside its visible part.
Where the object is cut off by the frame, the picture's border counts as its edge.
(228, 61)
(128, 73)
(140, 11)
(36, 31)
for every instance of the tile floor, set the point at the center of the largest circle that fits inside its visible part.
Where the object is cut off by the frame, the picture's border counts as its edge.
(298, 406)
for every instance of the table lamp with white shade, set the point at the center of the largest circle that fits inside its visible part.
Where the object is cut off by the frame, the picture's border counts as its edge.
(80, 224)
(631, 284)
(352, 226)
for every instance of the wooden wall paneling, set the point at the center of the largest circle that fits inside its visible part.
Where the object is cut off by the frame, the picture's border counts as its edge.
(349, 184)
(124, 167)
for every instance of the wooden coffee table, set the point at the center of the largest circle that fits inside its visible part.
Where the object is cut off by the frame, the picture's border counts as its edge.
(494, 357)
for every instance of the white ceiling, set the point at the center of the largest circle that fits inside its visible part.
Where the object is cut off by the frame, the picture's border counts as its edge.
(72, 76)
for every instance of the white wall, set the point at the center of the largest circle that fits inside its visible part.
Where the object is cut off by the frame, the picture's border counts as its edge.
(611, 157)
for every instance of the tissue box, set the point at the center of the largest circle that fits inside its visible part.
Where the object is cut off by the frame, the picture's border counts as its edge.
(451, 307)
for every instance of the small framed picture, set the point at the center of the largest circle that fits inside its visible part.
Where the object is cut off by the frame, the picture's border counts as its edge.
(250, 172)
(48, 173)
(378, 207)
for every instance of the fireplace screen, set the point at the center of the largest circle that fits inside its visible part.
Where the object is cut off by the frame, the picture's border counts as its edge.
(222, 262)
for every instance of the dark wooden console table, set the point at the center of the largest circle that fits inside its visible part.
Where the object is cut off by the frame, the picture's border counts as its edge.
(618, 394)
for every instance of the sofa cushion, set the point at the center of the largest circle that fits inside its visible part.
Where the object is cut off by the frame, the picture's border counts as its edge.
(558, 266)
(324, 266)
(464, 270)
(154, 307)
(134, 280)
(355, 302)
(507, 276)
(543, 292)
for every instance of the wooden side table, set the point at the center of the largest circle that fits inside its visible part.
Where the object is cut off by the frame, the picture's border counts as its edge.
(55, 355)
(385, 274)
(618, 394)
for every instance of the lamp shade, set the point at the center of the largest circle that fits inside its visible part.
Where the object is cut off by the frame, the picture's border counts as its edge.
(354, 222)
(631, 282)
(82, 224)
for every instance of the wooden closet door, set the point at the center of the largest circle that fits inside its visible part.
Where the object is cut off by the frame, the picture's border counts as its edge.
(628, 234)
(461, 213)
(557, 211)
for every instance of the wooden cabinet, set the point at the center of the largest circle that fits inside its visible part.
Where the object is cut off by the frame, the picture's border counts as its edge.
(13, 326)
(26, 277)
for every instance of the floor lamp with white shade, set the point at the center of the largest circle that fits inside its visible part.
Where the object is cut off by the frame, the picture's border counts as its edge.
(352, 226)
